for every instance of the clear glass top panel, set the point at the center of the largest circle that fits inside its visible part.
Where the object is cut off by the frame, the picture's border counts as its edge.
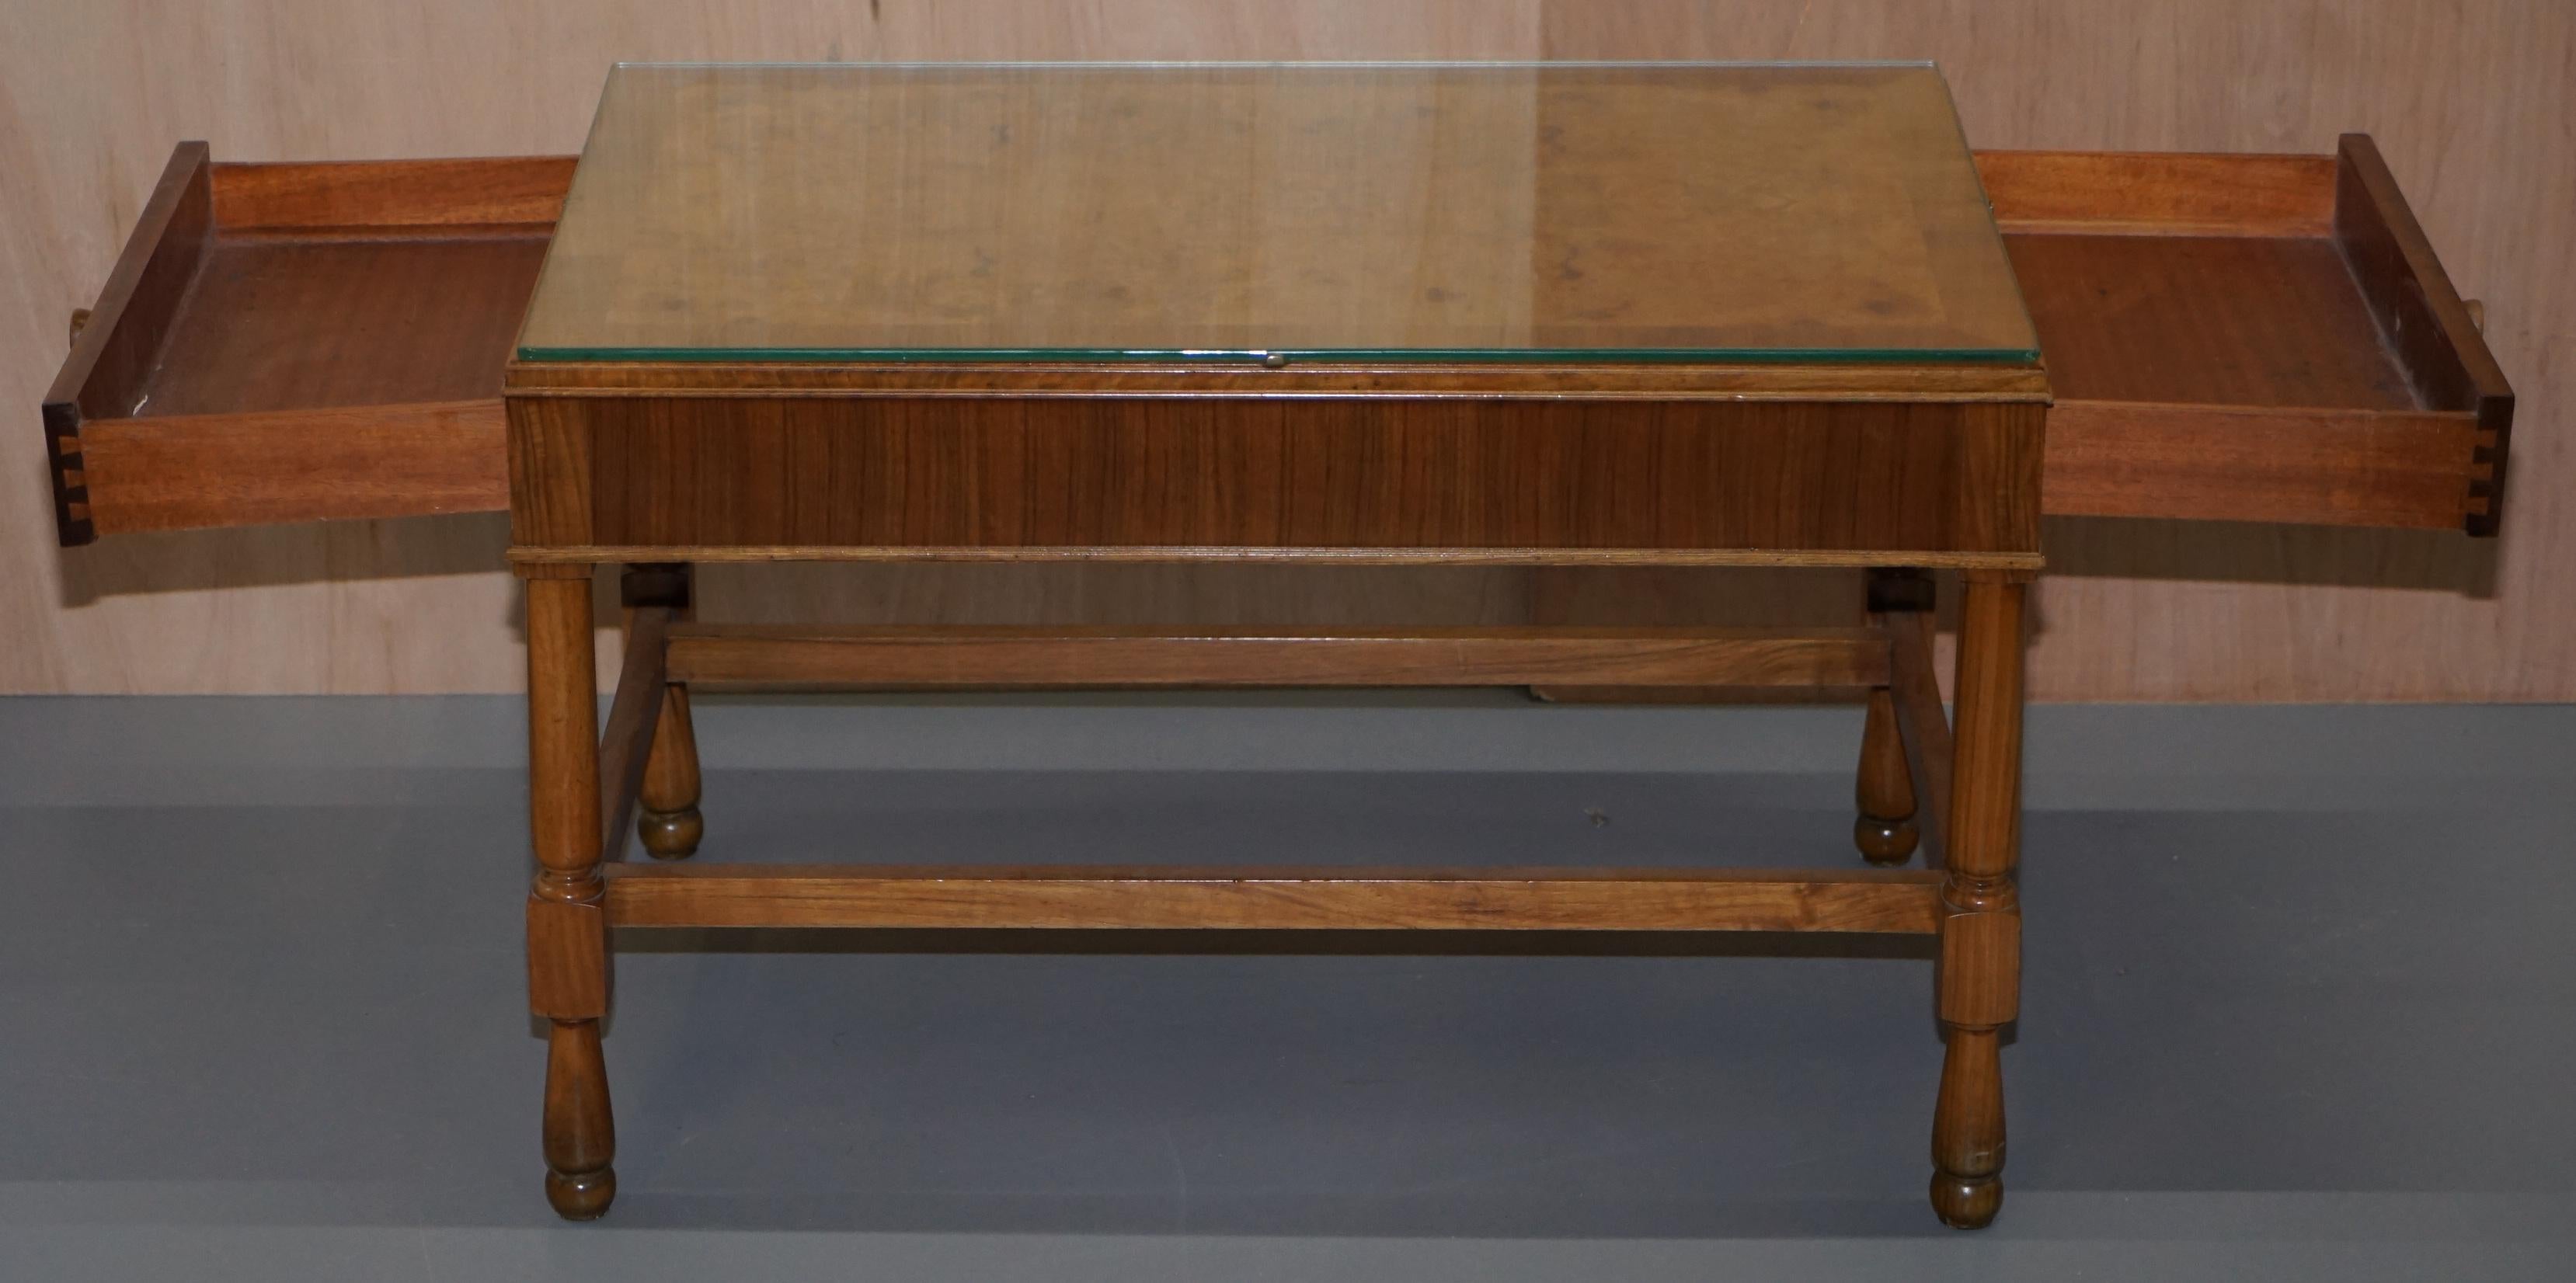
(1431, 212)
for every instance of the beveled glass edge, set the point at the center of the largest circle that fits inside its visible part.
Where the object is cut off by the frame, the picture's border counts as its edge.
(1397, 64)
(1294, 356)
(1959, 130)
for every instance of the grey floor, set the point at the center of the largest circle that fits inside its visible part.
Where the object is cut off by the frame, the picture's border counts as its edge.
(2298, 1004)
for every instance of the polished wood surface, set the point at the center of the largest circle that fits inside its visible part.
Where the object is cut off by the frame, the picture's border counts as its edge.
(2159, 193)
(189, 472)
(2394, 469)
(952, 655)
(1234, 473)
(506, 195)
(2206, 320)
(1240, 898)
(298, 320)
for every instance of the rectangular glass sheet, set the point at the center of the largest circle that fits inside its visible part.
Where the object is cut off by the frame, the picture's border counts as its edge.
(1399, 212)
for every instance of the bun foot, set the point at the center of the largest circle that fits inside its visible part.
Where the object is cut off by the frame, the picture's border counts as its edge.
(1884, 841)
(581, 1196)
(673, 835)
(1967, 1202)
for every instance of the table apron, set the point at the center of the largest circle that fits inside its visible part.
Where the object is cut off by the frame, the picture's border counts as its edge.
(1856, 482)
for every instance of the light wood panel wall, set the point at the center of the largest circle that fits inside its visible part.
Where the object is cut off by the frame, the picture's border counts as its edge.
(2471, 100)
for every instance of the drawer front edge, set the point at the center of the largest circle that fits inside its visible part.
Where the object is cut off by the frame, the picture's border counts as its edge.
(114, 351)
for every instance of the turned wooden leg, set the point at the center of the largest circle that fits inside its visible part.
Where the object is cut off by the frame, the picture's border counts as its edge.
(1900, 603)
(1968, 1132)
(1885, 830)
(567, 933)
(580, 1135)
(668, 822)
(1980, 966)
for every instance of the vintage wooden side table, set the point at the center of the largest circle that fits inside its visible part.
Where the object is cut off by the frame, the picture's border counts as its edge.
(1505, 314)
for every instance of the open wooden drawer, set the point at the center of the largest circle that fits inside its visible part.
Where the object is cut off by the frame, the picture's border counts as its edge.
(300, 342)
(2252, 338)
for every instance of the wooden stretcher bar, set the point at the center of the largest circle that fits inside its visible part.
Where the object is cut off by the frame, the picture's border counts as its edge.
(1236, 897)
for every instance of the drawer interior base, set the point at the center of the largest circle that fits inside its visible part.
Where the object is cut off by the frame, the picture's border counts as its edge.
(2215, 320)
(294, 320)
